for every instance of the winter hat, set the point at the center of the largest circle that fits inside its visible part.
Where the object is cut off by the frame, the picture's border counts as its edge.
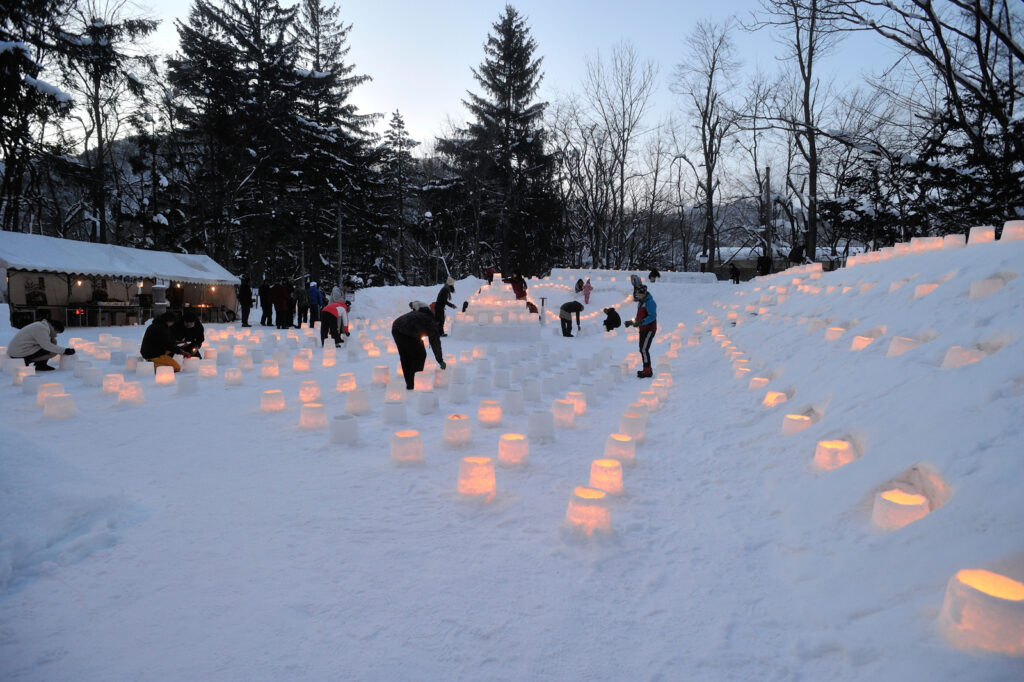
(312, 284)
(639, 293)
(450, 282)
(418, 305)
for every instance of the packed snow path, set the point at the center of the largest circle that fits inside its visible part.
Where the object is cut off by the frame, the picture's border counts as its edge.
(196, 537)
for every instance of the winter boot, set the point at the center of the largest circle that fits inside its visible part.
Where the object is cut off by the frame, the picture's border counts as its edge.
(645, 373)
(43, 367)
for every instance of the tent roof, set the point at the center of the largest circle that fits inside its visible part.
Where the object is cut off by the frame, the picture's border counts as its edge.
(49, 254)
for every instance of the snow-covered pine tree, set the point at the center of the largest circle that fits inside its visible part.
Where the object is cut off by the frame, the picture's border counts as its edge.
(398, 169)
(335, 155)
(501, 153)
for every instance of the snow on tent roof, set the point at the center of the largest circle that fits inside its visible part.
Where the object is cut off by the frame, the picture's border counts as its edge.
(34, 252)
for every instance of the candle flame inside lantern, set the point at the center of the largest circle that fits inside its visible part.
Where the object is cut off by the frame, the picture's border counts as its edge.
(489, 413)
(773, 398)
(758, 382)
(513, 450)
(457, 430)
(476, 477)
(984, 610)
(406, 447)
(832, 454)
(346, 382)
(794, 423)
(269, 369)
(578, 400)
(606, 475)
(309, 391)
(272, 400)
(300, 363)
(164, 376)
(896, 508)
(112, 383)
(588, 510)
(313, 416)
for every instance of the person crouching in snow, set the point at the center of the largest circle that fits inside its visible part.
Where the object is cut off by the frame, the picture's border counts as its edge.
(36, 343)
(611, 320)
(334, 319)
(189, 335)
(647, 322)
(408, 331)
(444, 299)
(565, 315)
(158, 344)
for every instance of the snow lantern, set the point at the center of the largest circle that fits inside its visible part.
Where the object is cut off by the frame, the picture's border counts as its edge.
(207, 368)
(900, 345)
(922, 290)
(660, 389)
(1013, 230)
(406, 447)
(300, 363)
(269, 369)
(564, 413)
(773, 398)
(233, 376)
(165, 376)
(457, 430)
(380, 375)
(90, 377)
(458, 393)
(832, 454)
(44, 390)
(479, 353)
(309, 391)
(80, 368)
(394, 412)
(588, 510)
(621, 447)
(395, 390)
(112, 383)
(981, 288)
(513, 450)
(130, 393)
(313, 416)
(488, 413)
(476, 478)
(666, 378)
(984, 610)
(144, 368)
(20, 373)
(245, 362)
(633, 424)
(329, 359)
(578, 400)
(540, 426)
(981, 234)
(272, 400)
(958, 356)
(606, 475)
(426, 402)
(59, 406)
(465, 356)
(896, 508)
(795, 423)
(423, 381)
(188, 384)
(344, 430)
(649, 401)
(861, 342)
(346, 382)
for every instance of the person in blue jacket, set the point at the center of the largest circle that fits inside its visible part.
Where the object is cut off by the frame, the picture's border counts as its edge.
(316, 303)
(646, 321)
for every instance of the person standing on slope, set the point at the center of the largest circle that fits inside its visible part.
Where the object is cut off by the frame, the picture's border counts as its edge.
(444, 299)
(646, 321)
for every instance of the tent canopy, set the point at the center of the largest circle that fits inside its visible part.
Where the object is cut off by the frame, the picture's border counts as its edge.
(19, 251)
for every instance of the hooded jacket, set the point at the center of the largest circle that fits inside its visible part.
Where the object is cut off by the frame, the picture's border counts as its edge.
(32, 338)
(419, 323)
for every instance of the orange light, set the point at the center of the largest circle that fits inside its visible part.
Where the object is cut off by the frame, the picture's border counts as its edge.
(309, 391)
(406, 447)
(621, 447)
(794, 423)
(861, 342)
(832, 454)
(489, 413)
(606, 475)
(457, 430)
(896, 508)
(984, 610)
(649, 400)
(380, 375)
(165, 376)
(112, 383)
(633, 424)
(130, 393)
(476, 477)
(773, 398)
(564, 413)
(300, 363)
(269, 369)
(346, 382)
(45, 390)
(578, 400)
(922, 290)
(833, 333)
(59, 406)
(588, 510)
(513, 450)
(958, 356)
(313, 416)
(272, 401)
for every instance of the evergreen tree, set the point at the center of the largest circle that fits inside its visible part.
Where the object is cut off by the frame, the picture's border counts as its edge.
(398, 167)
(501, 157)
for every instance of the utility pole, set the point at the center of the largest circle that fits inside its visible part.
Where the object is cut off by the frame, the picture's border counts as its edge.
(341, 269)
(768, 211)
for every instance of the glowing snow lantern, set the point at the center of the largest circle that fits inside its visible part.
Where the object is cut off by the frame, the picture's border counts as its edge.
(272, 400)
(832, 454)
(476, 478)
(606, 475)
(896, 508)
(313, 416)
(489, 413)
(395, 390)
(922, 290)
(207, 368)
(588, 510)
(406, 447)
(233, 376)
(457, 430)
(982, 234)
(861, 342)
(329, 359)
(833, 333)
(621, 447)
(165, 376)
(46, 390)
(513, 450)
(346, 382)
(380, 375)
(424, 381)
(660, 389)
(958, 356)
(633, 424)
(269, 369)
(795, 423)
(309, 392)
(649, 401)
(564, 413)
(1013, 230)
(578, 400)
(112, 383)
(144, 368)
(59, 406)
(758, 382)
(900, 345)
(130, 393)
(984, 610)
(666, 378)
(239, 350)
(773, 398)
(300, 363)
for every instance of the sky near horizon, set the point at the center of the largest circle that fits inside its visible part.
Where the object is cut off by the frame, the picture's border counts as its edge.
(419, 54)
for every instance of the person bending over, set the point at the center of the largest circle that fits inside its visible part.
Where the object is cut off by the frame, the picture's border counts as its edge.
(334, 321)
(408, 331)
(565, 315)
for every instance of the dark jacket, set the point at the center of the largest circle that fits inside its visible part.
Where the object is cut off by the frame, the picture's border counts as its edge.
(193, 337)
(316, 298)
(280, 297)
(443, 299)
(612, 319)
(567, 309)
(245, 295)
(418, 323)
(158, 340)
(266, 299)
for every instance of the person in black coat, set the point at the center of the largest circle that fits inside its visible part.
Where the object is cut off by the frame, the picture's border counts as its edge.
(158, 344)
(245, 300)
(189, 335)
(565, 314)
(408, 331)
(734, 273)
(611, 320)
(266, 304)
(444, 299)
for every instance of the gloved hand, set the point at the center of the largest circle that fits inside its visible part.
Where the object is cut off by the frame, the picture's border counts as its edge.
(69, 351)
(627, 323)
(348, 333)
(443, 364)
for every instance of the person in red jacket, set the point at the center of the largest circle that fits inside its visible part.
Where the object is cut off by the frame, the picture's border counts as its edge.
(646, 321)
(334, 322)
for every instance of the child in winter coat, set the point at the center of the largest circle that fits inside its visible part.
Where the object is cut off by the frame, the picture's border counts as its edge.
(611, 320)
(587, 288)
(646, 321)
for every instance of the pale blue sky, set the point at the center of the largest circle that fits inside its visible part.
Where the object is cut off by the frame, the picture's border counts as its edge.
(419, 53)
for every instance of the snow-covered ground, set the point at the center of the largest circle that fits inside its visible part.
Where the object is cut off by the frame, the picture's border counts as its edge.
(198, 538)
